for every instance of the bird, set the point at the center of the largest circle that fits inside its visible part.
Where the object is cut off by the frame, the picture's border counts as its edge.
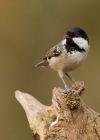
(68, 54)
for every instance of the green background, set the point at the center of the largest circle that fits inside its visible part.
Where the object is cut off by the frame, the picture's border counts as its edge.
(28, 28)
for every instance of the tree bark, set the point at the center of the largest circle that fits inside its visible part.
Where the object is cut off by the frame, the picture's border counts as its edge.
(68, 118)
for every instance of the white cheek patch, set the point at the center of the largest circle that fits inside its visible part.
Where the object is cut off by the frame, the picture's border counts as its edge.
(81, 42)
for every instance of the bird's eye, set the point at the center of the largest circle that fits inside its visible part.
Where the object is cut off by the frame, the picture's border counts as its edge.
(76, 36)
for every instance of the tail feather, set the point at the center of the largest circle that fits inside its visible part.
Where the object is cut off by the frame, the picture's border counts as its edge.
(43, 63)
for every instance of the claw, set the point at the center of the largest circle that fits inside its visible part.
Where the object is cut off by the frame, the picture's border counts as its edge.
(70, 90)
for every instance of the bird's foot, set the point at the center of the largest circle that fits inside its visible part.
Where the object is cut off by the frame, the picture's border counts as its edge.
(70, 90)
(77, 87)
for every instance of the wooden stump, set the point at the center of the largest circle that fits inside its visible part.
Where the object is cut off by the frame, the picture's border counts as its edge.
(68, 118)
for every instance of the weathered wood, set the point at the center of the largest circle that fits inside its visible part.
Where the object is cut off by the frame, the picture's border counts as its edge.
(68, 118)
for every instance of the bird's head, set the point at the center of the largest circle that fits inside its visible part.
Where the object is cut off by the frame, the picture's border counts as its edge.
(77, 36)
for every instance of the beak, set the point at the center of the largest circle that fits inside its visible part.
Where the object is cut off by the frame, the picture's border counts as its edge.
(67, 37)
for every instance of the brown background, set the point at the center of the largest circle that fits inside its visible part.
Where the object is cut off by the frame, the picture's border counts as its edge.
(28, 28)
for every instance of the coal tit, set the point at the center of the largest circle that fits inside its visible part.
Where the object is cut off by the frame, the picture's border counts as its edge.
(68, 54)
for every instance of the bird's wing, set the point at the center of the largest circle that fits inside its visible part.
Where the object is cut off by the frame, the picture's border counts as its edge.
(53, 52)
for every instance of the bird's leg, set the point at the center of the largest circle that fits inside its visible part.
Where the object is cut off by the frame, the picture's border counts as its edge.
(67, 89)
(61, 77)
(76, 84)
(70, 77)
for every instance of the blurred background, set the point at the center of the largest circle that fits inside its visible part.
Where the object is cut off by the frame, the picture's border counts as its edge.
(28, 28)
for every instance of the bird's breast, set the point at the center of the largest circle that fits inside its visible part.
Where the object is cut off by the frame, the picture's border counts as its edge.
(67, 62)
